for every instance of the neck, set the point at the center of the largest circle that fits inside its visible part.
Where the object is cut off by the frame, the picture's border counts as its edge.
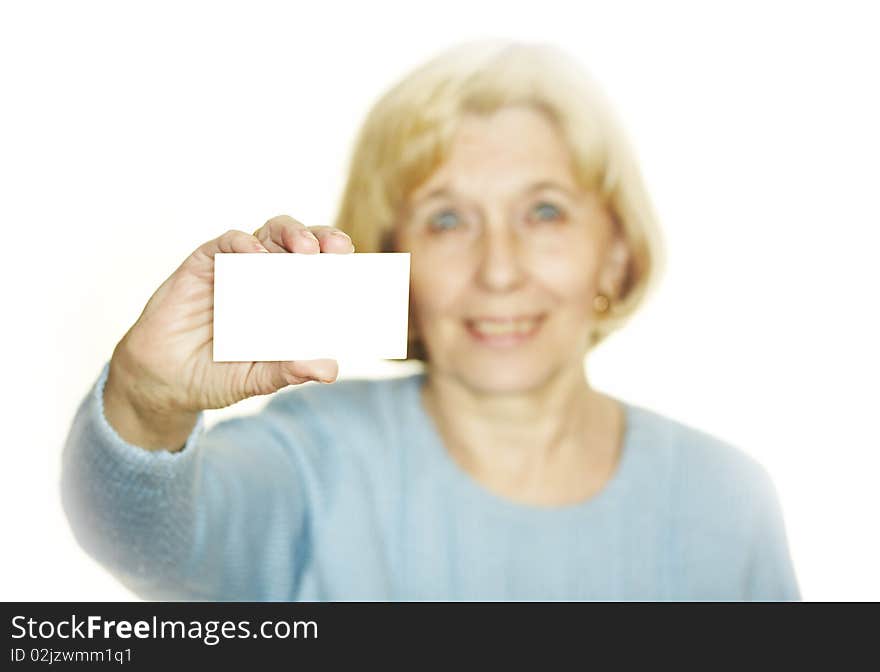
(517, 438)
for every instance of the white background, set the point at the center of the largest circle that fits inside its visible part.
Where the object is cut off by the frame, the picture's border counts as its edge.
(132, 132)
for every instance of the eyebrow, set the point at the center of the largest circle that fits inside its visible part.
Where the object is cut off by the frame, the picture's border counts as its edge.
(444, 192)
(549, 184)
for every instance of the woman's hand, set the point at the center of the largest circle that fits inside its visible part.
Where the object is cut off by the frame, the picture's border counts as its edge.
(162, 372)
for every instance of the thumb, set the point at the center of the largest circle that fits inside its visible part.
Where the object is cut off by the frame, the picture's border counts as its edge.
(268, 377)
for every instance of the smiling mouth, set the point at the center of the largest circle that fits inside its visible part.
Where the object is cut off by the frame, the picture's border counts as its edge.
(506, 331)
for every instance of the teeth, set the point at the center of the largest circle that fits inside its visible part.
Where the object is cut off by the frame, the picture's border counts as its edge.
(494, 328)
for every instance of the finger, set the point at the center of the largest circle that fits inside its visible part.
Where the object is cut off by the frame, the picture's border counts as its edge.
(289, 235)
(268, 377)
(264, 235)
(325, 370)
(270, 244)
(239, 241)
(332, 239)
(231, 241)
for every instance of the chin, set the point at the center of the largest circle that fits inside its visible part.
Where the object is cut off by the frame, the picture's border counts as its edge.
(503, 365)
(503, 377)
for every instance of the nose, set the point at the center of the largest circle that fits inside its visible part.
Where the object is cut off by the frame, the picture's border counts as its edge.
(501, 259)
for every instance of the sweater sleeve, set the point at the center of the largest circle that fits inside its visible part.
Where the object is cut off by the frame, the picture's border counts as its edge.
(225, 518)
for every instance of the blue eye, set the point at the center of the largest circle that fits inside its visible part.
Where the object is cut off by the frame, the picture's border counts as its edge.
(445, 220)
(547, 212)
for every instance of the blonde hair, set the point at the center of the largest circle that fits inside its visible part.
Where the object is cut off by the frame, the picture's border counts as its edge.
(409, 130)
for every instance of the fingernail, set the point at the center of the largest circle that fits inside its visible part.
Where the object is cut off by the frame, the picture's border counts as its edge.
(308, 234)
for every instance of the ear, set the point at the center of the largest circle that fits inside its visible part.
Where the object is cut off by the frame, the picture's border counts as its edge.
(613, 272)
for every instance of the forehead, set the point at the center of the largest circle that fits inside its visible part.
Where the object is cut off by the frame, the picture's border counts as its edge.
(505, 149)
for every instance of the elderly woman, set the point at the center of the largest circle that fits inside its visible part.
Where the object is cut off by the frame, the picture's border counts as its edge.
(497, 472)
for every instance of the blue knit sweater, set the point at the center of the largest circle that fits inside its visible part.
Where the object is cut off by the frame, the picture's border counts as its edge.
(345, 492)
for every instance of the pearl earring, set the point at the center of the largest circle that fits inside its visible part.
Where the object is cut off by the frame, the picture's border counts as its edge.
(601, 303)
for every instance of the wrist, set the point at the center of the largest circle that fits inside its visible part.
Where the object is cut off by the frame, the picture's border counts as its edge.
(138, 414)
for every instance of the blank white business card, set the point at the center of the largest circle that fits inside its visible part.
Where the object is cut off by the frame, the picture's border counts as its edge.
(286, 306)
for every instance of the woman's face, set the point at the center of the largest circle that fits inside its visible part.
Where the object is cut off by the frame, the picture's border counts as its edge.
(507, 255)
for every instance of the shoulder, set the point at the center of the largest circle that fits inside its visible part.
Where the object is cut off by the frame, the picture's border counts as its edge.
(705, 472)
(722, 522)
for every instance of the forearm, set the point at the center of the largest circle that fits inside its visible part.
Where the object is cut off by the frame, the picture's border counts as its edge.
(129, 508)
(199, 523)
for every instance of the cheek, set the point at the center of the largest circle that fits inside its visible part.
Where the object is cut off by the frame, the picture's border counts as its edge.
(435, 291)
(569, 276)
